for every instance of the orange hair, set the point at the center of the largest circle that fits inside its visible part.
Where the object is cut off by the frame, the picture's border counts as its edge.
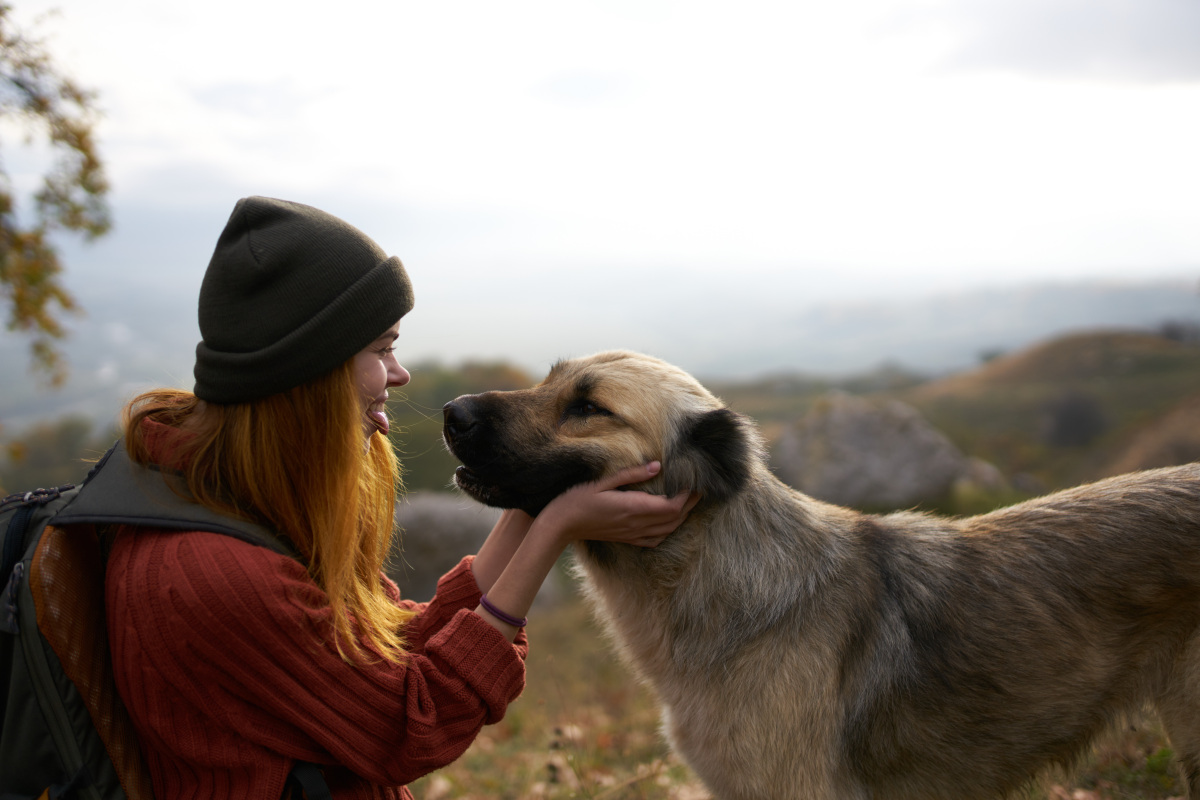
(295, 462)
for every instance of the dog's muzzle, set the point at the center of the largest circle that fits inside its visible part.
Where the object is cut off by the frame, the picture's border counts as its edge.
(458, 420)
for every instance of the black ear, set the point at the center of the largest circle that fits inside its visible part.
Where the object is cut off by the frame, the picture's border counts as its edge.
(714, 455)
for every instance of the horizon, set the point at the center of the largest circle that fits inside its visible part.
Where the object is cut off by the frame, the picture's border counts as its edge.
(122, 347)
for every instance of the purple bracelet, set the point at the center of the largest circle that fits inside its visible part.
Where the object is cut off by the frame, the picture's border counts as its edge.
(508, 619)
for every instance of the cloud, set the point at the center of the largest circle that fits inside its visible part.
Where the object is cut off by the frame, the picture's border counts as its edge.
(1143, 41)
(583, 87)
(276, 99)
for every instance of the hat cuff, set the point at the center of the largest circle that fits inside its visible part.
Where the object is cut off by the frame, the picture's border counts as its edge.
(357, 317)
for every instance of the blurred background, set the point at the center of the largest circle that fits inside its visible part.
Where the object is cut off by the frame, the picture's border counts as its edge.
(946, 253)
(984, 211)
(771, 187)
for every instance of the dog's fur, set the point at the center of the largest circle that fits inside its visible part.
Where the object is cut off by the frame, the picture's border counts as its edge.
(803, 650)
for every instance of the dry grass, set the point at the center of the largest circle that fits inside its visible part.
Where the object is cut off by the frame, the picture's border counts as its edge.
(585, 729)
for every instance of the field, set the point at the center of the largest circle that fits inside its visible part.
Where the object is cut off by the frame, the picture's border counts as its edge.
(584, 729)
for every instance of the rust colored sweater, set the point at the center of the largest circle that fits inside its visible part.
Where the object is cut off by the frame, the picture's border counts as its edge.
(223, 653)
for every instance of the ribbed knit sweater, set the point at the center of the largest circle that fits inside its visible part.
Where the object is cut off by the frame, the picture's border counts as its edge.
(223, 652)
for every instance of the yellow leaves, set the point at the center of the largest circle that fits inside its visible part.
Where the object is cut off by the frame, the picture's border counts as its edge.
(31, 286)
(72, 197)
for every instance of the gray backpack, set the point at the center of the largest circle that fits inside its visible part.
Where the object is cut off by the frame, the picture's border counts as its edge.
(64, 732)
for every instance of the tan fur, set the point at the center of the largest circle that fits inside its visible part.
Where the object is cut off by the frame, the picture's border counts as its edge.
(802, 650)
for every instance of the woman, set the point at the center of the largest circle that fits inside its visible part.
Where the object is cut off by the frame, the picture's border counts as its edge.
(236, 662)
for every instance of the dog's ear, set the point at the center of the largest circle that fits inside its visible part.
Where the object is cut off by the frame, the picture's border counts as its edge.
(714, 455)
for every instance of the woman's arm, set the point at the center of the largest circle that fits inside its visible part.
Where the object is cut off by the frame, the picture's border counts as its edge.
(595, 511)
(240, 650)
(499, 547)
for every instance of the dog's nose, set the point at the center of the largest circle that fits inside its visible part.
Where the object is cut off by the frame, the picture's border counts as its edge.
(456, 420)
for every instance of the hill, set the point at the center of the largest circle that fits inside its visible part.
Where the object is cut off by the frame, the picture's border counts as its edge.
(1064, 411)
(1172, 439)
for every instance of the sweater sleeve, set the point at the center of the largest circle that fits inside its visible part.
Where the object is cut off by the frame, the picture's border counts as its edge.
(456, 590)
(222, 644)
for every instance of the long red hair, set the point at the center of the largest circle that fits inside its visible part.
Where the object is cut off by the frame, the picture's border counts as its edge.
(295, 462)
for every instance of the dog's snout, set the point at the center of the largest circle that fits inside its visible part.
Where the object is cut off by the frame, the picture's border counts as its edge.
(457, 419)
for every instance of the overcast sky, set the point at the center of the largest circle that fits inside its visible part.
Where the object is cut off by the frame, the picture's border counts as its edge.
(813, 151)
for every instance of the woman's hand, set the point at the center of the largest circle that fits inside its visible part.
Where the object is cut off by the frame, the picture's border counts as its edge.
(599, 511)
(523, 551)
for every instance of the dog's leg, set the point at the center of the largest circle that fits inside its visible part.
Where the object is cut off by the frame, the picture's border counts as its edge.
(1179, 710)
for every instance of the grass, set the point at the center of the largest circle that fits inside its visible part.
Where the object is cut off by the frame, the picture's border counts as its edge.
(585, 729)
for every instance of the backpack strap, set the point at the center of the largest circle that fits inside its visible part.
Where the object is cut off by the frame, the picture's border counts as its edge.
(65, 585)
(26, 503)
(118, 491)
(27, 510)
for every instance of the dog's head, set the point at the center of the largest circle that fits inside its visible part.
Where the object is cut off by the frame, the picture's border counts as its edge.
(592, 417)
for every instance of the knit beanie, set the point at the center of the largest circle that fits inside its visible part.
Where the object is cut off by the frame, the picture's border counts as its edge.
(290, 293)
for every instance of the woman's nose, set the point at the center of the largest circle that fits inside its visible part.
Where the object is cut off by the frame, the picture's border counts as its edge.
(398, 375)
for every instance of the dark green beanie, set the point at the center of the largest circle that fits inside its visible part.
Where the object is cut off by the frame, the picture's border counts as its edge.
(291, 292)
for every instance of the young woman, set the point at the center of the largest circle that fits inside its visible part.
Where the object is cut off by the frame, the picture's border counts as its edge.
(236, 662)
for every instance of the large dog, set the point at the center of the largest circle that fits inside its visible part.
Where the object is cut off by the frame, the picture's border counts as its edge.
(803, 650)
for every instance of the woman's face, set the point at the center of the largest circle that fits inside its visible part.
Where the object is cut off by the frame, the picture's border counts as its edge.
(376, 369)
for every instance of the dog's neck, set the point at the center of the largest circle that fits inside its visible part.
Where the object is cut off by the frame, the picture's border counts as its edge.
(730, 568)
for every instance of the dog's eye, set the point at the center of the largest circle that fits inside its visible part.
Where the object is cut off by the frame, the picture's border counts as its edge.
(586, 408)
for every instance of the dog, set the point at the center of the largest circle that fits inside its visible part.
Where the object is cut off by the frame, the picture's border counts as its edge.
(803, 650)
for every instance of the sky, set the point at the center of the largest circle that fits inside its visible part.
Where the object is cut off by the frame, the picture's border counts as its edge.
(532, 162)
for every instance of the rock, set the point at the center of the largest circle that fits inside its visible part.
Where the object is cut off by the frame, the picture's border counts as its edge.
(437, 530)
(873, 455)
(983, 476)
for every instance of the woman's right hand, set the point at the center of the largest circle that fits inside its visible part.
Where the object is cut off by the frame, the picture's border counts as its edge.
(600, 511)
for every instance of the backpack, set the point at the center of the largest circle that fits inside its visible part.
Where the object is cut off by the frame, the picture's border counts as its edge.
(64, 732)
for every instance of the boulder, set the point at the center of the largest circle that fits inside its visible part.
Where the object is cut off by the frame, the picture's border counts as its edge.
(436, 530)
(873, 455)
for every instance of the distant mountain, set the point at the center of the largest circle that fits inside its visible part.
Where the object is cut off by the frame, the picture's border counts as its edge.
(937, 334)
(122, 345)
